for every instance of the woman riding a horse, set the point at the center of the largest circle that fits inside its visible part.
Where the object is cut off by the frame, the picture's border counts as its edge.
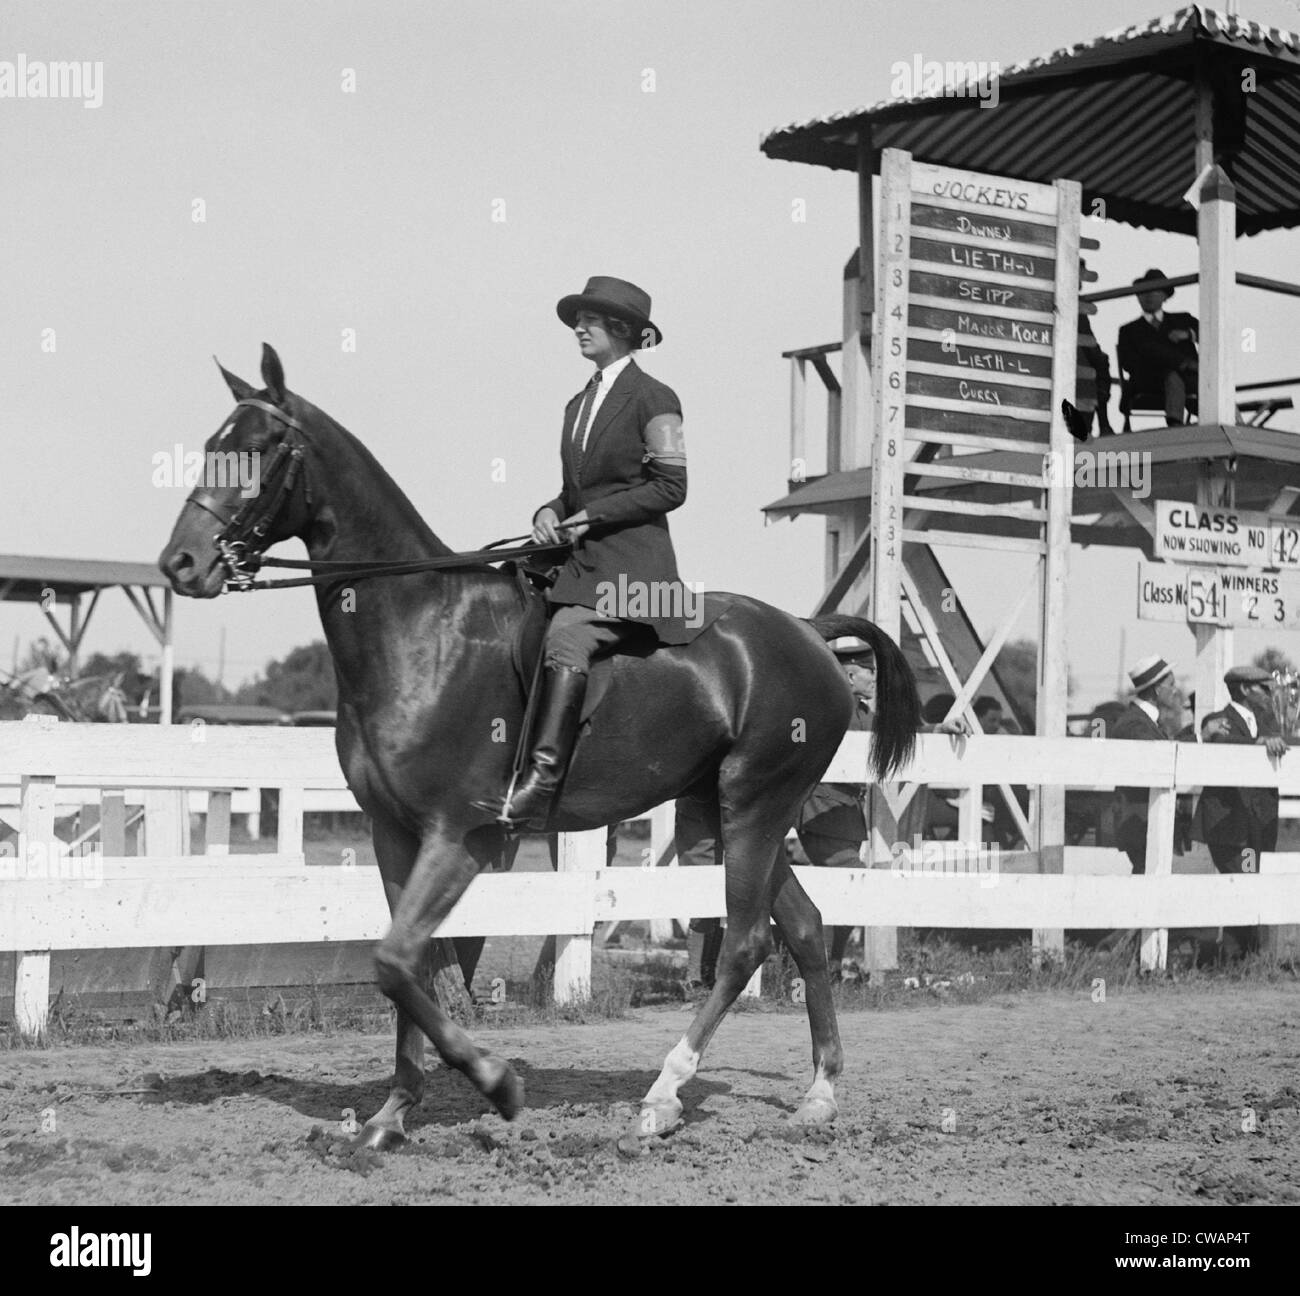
(624, 470)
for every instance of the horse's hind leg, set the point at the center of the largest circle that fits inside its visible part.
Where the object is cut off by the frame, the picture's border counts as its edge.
(800, 925)
(751, 852)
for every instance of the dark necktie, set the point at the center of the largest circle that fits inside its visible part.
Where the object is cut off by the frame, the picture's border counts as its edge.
(584, 415)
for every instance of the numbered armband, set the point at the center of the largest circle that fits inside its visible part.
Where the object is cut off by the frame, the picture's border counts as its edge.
(664, 441)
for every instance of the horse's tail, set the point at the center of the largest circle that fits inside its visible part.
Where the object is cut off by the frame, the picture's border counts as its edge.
(898, 705)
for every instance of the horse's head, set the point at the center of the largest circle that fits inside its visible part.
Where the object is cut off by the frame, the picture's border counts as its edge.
(252, 492)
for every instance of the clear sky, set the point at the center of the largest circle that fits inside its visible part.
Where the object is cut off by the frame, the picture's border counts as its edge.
(619, 138)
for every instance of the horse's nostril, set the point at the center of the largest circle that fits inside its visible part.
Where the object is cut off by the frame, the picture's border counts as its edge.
(179, 564)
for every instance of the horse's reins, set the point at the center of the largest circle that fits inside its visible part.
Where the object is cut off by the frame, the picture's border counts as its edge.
(245, 528)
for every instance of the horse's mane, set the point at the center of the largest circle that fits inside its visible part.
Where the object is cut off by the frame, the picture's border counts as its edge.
(376, 470)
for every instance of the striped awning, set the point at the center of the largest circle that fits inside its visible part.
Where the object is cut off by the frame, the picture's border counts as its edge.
(1118, 114)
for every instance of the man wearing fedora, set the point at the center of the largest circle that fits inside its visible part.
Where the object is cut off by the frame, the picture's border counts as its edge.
(1239, 824)
(624, 470)
(1154, 715)
(1158, 352)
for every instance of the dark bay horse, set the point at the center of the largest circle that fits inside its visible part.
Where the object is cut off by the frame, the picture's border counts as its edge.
(745, 718)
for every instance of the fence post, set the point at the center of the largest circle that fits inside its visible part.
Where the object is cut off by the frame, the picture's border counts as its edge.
(288, 832)
(112, 823)
(216, 828)
(1160, 863)
(173, 970)
(35, 840)
(583, 852)
(663, 851)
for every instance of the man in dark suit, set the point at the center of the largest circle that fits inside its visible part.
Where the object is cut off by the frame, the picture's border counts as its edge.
(1239, 824)
(1158, 352)
(624, 469)
(1152, 716)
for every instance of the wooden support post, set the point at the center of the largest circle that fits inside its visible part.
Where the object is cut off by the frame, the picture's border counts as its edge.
(1216, 231)
(889, 349)
(848, 412)
(36, 844)
(798, 420)
(1160, 863)
(166, 668)
(1053, 653)
(74, 636)
(583, 852)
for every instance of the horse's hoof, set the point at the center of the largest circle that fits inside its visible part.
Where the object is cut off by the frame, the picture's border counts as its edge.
(659, 1119)
(815, 1111)
(380, 1138)
(507, 1095)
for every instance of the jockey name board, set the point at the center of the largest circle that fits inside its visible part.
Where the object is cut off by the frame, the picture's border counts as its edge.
(969, 303)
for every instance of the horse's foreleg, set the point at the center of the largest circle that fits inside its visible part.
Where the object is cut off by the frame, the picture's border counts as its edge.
(747, 942)
(395, 851)
(443, 869)
(800, 925)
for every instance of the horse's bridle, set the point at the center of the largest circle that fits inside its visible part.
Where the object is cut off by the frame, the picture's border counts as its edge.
(242, 538)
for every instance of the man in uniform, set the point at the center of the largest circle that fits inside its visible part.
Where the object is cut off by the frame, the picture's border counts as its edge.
(1239, 824)
(1152, 716)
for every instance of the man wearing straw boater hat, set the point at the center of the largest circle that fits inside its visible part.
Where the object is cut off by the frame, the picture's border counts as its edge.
(1152, 716)
(1158, 351)
(624, 470)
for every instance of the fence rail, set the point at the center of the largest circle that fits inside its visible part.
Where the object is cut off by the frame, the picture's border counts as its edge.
(168, 897)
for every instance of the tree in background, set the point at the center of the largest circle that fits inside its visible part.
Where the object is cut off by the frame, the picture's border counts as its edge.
(1274, 659)
(303, 681)
(1017, 669)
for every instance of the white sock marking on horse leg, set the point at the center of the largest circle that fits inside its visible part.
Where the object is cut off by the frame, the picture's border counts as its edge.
(679, 1066)
(821, 1090)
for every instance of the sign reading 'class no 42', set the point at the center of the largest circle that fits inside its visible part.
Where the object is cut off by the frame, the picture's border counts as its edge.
(1191, 533)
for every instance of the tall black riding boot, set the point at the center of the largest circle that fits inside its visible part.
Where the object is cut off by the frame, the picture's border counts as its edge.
(554, 736)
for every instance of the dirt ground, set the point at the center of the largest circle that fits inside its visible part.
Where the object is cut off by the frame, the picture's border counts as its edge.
(1161, 1095)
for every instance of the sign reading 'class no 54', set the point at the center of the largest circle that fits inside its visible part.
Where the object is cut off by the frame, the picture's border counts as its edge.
(1191, 533)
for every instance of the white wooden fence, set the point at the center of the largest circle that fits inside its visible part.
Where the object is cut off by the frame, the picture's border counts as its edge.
(50, 901)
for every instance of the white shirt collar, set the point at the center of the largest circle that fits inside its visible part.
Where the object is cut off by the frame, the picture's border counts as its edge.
(1249, 716)
(608, 376)
(1155, 317)
(610, 372)
(1152, 711)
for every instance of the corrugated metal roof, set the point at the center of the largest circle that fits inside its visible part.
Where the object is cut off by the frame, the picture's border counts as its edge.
(1117, 114)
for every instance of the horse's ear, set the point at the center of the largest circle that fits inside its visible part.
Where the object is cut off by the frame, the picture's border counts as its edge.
(272, 373)
(238, 387)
